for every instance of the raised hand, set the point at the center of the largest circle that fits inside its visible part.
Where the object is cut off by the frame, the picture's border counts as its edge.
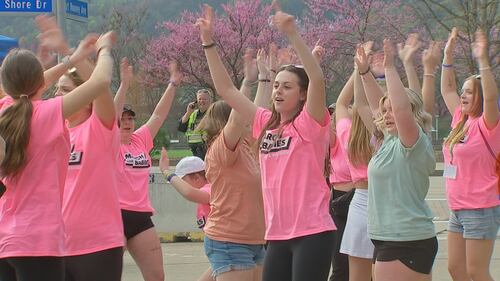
(367, 46)
(126, 71)
(450, 44)
(318, 51)
(284, 56)
(263, 62)
(86, 47)
(377, 64)
(164, 163)
(361, 59)
(407, 52)
(284, 22)
(107, 40)
(51, 36)
(175, 73)
(431, 57)
(206, 24)
(480, 45)
(389, 53)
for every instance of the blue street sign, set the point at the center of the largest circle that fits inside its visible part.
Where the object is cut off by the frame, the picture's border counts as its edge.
(26, 6)
(77, 8)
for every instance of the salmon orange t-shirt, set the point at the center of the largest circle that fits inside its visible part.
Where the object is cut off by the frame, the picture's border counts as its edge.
(91, 211)
(237, 212)
(30, 210)
(296, 195)
(133, 172)
(476, 182)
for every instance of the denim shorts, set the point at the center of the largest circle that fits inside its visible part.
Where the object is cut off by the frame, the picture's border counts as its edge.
(476, 223)
(227, 256)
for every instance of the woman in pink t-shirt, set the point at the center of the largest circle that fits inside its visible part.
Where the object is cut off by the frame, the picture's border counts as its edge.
(35, 166)
(293, 140)
(471, 153)
(92, 220)
(133, 174)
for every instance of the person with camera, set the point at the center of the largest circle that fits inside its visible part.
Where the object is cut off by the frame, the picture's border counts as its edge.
(190, 120)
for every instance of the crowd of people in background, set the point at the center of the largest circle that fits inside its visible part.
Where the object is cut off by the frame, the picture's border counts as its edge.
(287, 187)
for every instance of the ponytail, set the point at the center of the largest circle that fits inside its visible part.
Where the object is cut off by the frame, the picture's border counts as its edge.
(15, 123)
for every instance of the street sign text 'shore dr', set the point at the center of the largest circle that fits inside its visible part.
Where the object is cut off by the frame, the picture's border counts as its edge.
(28, 6)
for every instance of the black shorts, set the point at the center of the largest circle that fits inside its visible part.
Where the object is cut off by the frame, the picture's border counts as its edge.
(418, 255)
(136, 222)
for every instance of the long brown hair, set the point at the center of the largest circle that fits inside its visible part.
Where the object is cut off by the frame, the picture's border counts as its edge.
(460, 129)
(359, 148)
(275, 120)
(214, 121)
(22, 77)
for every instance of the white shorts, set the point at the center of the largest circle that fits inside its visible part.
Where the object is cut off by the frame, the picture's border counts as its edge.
(355, 241)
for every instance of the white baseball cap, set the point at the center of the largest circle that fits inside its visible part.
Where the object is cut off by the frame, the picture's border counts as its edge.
(189, 165)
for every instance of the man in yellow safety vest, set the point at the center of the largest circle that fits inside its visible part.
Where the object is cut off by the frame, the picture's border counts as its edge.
(190, 120)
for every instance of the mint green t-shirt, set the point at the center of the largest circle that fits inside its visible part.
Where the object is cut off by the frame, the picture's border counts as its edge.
(398, 181)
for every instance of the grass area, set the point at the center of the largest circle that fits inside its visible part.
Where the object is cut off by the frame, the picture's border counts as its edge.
(172, 154)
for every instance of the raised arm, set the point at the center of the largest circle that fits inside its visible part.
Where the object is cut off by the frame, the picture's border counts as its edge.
(448, 82)
(163, 107)
(250, 72)
(266, 78)
(430, 60)
(360, 101)
(126, 76)
(223, 84)
(185, 189)
(408, 132)
(372, 90)
(316, 93)
(407, 56)
(98, 83)
(344, 99)
(488, 84)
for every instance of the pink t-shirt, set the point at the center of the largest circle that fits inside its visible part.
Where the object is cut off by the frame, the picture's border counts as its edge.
(133, 172)
(295, 191)
(6, 102)
(203, 210)
(358, 172)
(476, 182)
(339, 171)
(30, 210)
(91, 212)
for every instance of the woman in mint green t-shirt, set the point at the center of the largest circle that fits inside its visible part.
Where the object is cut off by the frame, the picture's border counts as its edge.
(399, 221)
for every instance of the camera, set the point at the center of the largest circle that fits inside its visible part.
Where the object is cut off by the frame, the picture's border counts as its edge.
(193, 105)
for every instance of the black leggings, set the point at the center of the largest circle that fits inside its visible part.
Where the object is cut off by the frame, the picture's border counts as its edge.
(304, 258)
(340, 262)
(100, 266)
(32, 269)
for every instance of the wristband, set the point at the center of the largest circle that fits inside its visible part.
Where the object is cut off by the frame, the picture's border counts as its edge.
(263, 77)
(430, 75)
(381, 77)
(447, 65)
(208, 46)
(265, 80)
(273, 71)
(170, 176)
(363, 73)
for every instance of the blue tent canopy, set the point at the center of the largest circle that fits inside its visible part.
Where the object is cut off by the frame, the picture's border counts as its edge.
(6, 43)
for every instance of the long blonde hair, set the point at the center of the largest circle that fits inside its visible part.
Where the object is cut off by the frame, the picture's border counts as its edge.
(460, 129)
(359, 148)
(214, 121)
(22, 77)
(423, 119)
